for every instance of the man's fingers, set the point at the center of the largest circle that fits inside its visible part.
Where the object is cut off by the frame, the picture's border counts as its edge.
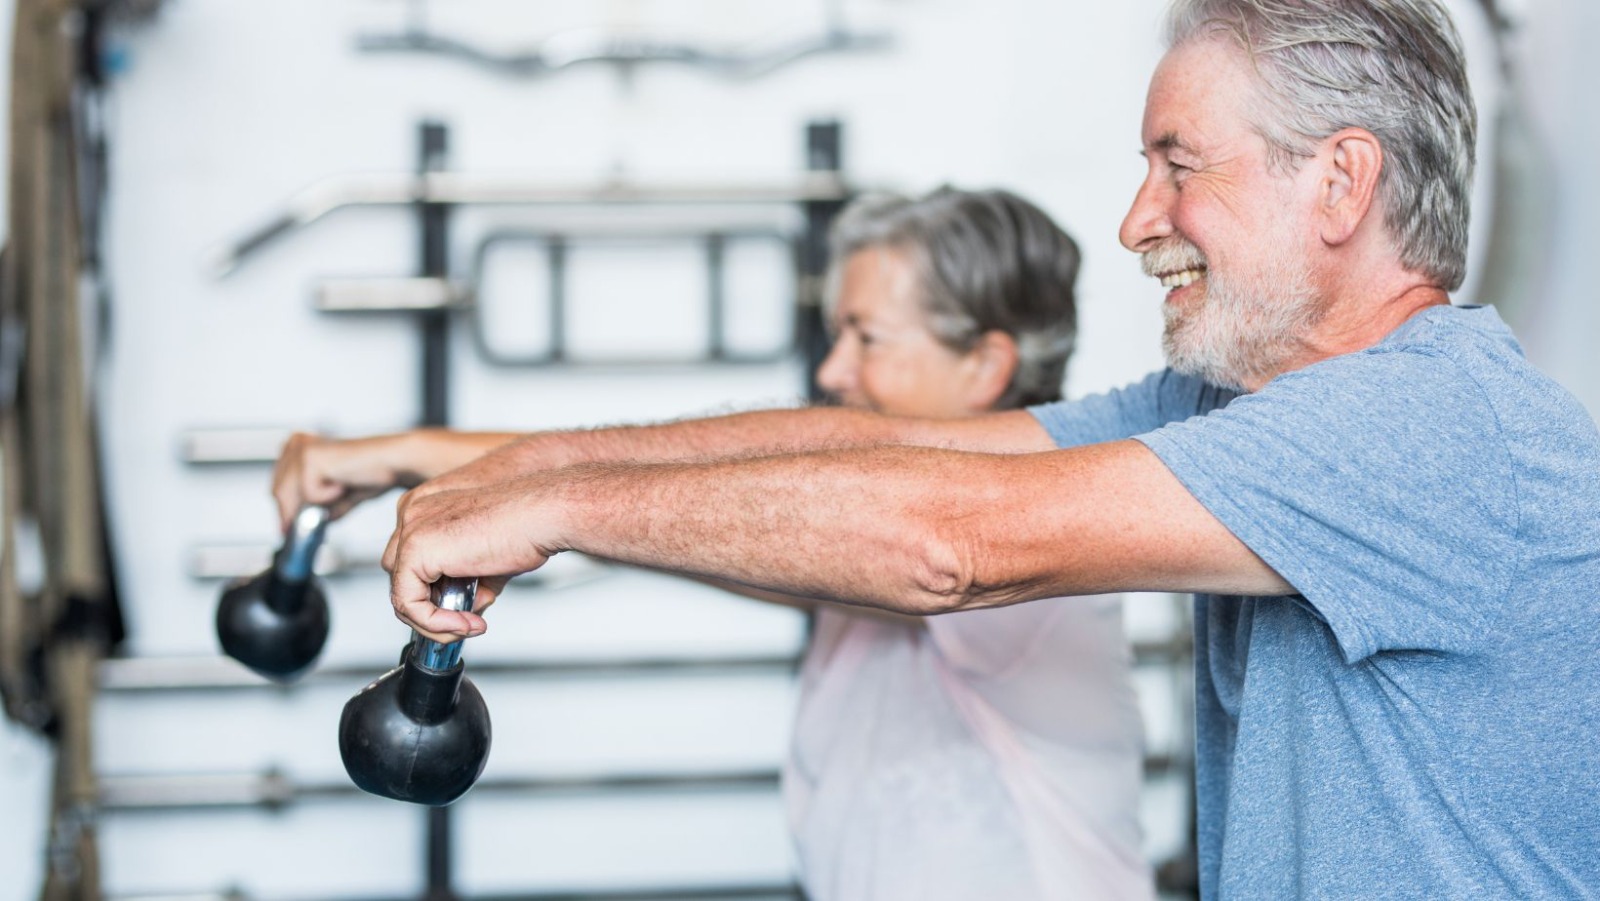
(489, 589)
(392, 549)
(434, 622)
(443, 626)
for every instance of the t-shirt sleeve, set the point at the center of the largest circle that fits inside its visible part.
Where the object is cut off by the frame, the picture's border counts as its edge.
(1378, 484)
(1143, 406)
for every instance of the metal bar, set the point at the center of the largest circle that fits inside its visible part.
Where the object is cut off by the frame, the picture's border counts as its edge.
(273, 790)
(716, 300)
(433, 222)
(824, 152)
(388, 295)
(433, 333)
(232, 446)
(162, 674)
(158, 674)
(467, 189)
(440, 837)
(233, 561)
(558, 301)
(764, 891)
(558, 246)
(646, 365)
(585, 47)
(755, 892)
(236, 561)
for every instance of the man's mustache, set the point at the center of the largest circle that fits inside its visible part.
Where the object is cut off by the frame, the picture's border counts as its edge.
(1171, 255)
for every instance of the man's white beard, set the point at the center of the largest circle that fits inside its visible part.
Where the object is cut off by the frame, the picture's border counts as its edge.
(1239, 331)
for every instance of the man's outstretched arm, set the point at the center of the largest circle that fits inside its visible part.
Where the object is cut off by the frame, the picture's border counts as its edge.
(914, 530)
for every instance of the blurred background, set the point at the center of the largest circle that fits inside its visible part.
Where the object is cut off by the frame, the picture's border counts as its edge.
(355, 216)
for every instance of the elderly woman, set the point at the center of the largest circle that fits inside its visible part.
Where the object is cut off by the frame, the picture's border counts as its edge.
(985, 754)
(992, 754)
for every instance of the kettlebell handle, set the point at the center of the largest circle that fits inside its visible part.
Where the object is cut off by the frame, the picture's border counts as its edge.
(447, 594)
(295, 560)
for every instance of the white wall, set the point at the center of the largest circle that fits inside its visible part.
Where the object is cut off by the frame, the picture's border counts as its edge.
(1558, 317)
(230, 108)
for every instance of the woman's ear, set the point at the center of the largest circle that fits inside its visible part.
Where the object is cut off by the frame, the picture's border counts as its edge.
(990, 363)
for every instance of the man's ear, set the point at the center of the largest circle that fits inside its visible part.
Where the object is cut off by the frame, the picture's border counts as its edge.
(1351, 162)
(991, 364)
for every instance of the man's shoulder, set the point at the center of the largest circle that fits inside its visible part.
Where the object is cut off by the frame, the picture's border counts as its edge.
(1470, 336)
(1468, 355)
(1454, 352)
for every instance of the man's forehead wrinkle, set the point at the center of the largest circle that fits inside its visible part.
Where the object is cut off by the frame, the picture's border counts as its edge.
(1170, 140)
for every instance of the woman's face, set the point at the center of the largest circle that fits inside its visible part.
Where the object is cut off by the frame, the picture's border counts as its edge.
(884, 358)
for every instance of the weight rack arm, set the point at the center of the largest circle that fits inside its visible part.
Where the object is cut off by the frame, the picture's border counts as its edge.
(463, 189)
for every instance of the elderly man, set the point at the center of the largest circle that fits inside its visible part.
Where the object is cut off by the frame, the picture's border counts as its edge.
(1387, 515)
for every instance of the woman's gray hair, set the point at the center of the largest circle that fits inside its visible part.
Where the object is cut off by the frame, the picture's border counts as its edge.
(1392, 67)
(983, 261)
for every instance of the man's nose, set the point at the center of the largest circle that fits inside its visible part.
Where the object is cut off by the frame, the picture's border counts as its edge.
(1147, 220)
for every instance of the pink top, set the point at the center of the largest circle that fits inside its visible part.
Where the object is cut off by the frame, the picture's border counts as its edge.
(992, 754)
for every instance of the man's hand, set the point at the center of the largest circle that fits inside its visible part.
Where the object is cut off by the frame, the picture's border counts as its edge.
(489, 533)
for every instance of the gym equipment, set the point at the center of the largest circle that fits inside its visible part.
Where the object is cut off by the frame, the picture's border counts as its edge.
(277, 622)
(420, 733)
(432, 191)
(585, 47)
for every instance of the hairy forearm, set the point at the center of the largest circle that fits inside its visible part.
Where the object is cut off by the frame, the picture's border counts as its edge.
(755, 433)
(870, 526)
(908, 529)
(914, 530)
(427, 453)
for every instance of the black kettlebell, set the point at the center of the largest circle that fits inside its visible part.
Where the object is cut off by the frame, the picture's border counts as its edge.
(277, 622)
(420, 733)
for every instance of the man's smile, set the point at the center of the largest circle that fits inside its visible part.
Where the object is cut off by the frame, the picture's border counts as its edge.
(1181, 278)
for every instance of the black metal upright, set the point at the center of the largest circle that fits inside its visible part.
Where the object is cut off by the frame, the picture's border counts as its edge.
(433, 229)
(824, 153)
(433, 220)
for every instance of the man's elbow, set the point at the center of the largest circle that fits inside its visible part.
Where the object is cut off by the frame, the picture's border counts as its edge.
(942, 579)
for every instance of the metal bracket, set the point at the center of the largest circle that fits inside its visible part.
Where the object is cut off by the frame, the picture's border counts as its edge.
(232, 446)
(462, 189)
(556, 247)
(592, 46)
(389, 295)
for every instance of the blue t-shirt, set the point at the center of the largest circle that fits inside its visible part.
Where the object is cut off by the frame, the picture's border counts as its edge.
(1422, 720)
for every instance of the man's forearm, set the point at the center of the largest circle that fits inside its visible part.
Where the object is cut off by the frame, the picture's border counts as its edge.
(853, 526)
(912, 530)
(909, 529)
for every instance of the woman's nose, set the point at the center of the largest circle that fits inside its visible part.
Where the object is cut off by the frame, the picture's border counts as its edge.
(836, 375)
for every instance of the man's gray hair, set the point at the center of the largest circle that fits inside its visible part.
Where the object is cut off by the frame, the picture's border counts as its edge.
(1392, 67)
(983, 261)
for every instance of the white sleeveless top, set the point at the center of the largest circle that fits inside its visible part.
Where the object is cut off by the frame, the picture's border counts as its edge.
(991, 754)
